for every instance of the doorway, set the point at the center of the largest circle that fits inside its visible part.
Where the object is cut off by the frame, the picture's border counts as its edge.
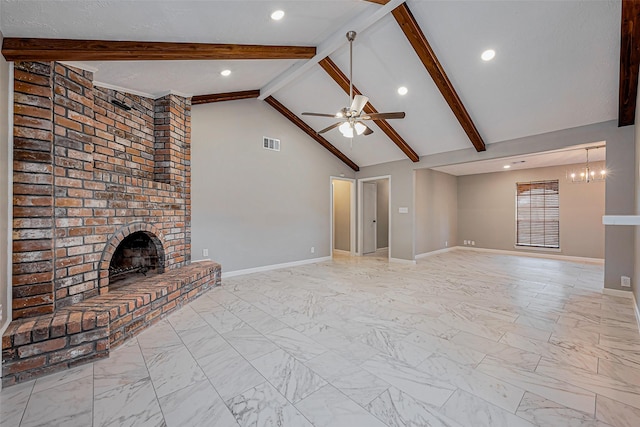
(374, 214)
(343, 216)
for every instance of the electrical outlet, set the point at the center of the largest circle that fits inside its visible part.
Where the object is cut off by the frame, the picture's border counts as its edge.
(313, 250)
(625, 281)
(205, 252)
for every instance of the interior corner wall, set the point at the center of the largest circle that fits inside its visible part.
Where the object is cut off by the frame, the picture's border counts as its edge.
(620, 200)
(5, 183)
(487, 211)
(636, 256)
(436, 218)
(253, 207)
(382, 214)
(341, 215)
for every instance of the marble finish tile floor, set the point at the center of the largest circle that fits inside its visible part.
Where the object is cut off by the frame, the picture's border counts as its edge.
(459, 339)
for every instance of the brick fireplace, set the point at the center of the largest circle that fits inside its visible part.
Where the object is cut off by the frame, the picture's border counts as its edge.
(101, 201)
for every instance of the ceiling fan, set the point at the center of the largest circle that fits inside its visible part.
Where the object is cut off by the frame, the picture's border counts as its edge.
(351, 118)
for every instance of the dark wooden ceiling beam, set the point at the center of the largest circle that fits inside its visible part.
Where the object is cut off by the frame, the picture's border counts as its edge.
(227, 96)
(30, 49)
(309, 131)
(629, 61)
(416, 37)
(378, 1)
(341, 79)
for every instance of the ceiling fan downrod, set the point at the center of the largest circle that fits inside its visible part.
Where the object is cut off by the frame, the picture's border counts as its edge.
(351, 36)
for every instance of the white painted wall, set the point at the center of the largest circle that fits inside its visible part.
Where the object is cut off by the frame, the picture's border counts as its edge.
(5, 192)
(253, 207)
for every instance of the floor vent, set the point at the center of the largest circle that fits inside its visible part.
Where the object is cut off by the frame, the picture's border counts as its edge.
(271, 143)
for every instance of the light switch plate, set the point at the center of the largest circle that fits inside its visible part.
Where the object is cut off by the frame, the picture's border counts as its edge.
(403, 210)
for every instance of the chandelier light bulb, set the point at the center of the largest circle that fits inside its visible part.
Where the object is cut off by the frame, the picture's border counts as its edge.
(573, 175)
(602, 172)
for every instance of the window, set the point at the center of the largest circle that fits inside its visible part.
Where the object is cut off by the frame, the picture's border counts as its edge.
(538, 214)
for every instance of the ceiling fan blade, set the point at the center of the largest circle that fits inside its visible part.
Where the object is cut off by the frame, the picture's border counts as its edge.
(319, 115)
(327, 129)
(367, 131)
(384, 116)
(359, 101)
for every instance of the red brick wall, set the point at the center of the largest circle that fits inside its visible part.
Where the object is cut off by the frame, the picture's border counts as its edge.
(33, 190)
(78, 188)
(125, 142)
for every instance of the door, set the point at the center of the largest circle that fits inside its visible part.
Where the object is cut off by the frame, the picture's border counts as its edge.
(369, 217)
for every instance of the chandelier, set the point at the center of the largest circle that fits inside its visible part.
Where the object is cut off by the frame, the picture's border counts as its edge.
(588, 173)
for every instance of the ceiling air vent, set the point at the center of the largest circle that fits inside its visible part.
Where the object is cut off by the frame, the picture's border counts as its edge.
(270, 143)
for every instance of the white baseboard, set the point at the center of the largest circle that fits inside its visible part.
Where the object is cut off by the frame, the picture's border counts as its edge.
(436, 252)
(598, 261)
(273, 267)
(341, 252)
(402, 261)
(618, 293)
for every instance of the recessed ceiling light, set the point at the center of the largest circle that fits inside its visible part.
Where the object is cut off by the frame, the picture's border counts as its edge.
(488, 55)
(403, 90)
(277, 15)
(225, 73)
(506, 166)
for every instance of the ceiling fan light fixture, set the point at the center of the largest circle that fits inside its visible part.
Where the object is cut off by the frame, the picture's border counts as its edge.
(360, 128)
(277, 15)
(346, 130)
(225, 73)
(402, 90)
(488, 55)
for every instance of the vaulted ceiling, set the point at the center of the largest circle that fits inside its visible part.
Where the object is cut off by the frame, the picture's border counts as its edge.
(557, 64)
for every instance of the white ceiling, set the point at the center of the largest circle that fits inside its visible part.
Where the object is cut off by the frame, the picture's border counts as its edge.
(556, 65)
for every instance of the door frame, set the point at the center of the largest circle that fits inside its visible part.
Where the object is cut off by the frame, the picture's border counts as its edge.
(360, 213)
(352, 211)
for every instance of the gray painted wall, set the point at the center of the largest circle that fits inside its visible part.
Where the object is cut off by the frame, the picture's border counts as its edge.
(400, 195)
(487, 211)
(5, 170)
(436, 210)
(341, 215)
(619, 188)
(634, 280)
(253, 207)
(620, 200)
(382, 212)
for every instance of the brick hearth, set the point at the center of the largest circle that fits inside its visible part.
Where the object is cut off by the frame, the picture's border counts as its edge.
(88, 330)
(87, 173)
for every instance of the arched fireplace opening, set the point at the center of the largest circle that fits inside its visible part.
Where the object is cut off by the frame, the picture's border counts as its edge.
(139, 255)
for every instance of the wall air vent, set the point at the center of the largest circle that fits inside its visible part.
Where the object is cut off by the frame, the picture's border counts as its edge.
(270, 143)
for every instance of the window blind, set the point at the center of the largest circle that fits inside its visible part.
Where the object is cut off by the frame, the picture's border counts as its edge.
(538, 214)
